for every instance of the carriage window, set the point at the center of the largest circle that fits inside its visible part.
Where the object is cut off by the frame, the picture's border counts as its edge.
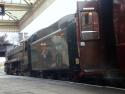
(89, 21)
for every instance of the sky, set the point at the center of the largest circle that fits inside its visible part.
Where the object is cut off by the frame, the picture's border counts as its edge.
(2, 60)
(12, 37)
(53, 13)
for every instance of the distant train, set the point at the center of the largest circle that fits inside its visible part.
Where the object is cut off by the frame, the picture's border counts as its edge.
(17, 61)
(87, 46)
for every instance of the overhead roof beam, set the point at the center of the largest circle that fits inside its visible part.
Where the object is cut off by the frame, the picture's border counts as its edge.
(8, 26)
(16, 7)
(27, 2)
(8, 23)
(11, 16)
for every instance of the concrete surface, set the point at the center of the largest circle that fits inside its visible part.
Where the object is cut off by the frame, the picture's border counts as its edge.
(28, 85)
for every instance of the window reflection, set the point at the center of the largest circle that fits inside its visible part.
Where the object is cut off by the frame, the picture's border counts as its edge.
(51, 52)
(89, 21)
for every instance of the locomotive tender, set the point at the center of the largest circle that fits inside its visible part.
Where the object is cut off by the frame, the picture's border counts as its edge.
(87, 46)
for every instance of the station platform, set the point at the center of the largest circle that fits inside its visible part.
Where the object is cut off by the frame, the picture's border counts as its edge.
(29, 85)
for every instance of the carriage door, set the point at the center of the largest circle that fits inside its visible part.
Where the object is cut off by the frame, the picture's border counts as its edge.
(119, 24)
(88, 38)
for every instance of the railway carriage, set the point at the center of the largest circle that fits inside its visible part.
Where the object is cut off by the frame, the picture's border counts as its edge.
(86, 46)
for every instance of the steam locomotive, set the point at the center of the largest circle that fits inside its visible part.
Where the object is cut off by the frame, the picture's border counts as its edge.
(86, 46)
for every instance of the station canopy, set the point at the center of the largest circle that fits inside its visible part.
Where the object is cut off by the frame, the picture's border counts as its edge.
(15, 9)
(19, 13)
